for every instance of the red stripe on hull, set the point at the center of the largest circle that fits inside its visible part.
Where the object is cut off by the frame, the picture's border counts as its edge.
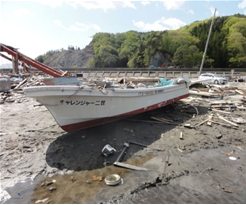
(93, 123)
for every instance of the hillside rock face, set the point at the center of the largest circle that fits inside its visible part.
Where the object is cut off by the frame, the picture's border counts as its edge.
(159, 58)
(71, 58)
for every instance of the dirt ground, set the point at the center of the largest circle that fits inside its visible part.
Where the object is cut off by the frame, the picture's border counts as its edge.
(40, 163)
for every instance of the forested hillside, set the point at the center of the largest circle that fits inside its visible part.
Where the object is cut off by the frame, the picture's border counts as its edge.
(182, 47)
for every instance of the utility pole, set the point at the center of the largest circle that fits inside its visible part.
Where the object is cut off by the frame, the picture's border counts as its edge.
(205, 51)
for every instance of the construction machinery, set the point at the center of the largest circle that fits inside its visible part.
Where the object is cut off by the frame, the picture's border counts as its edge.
(26, 62)
(163, 65)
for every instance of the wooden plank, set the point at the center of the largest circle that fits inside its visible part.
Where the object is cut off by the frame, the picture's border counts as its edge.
(222, 118)
(224, 105)
(21, 83)
(163, 120)
(221, 111)
(219, 123)
(129, 166)
(207, 94)
(239, 91)
(201, 123)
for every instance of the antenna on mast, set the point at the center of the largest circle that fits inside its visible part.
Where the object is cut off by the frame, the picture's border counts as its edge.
(205, 51)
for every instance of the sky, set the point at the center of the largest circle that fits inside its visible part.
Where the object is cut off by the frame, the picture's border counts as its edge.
(37, 26)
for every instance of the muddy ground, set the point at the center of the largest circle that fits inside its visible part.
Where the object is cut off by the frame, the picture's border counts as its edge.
(39, 161)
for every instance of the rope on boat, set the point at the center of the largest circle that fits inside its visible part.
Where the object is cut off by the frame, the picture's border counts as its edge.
(80, 88)
(103, 90)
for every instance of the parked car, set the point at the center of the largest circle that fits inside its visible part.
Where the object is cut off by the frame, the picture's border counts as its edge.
(214, 78)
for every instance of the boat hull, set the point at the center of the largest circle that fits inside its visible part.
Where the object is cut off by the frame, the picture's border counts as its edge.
(100, 121)
(76, 107)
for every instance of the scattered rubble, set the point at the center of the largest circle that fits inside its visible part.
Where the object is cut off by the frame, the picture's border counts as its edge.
(198, 122)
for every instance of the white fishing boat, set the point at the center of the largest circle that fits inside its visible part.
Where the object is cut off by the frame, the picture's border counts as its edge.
(77, 106)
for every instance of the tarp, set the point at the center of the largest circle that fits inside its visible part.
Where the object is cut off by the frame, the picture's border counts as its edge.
(164, 82)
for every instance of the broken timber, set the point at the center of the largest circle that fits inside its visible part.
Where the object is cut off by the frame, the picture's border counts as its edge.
(164, 120)
(129, 166)
(206, 94)
(222, 118)
(209, 121)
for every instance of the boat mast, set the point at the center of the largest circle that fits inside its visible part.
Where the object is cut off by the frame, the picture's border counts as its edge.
(205, 51)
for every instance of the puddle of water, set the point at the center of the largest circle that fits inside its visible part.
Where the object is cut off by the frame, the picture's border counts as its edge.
(80, 186)
(70, 188)
(21, 192)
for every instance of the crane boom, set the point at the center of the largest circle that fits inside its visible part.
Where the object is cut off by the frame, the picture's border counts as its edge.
(18, 56)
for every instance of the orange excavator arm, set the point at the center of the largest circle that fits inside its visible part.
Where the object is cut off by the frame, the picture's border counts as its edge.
(18, 56)
(164, 64)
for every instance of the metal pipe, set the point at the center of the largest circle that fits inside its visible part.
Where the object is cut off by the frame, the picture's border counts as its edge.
(126, 145)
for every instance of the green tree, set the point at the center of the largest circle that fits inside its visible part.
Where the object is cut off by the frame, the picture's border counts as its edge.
(184, 45)
(187, 56)
(237, 49)
(91, 63)
(40, 59)
(130, 45)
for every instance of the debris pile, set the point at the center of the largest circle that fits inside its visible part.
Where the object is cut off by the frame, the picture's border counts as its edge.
(216, 91)
(14, 92)
(228, 105)
(227, 122)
